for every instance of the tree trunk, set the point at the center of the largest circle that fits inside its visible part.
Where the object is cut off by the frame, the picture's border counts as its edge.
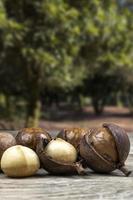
(33, 113)
(33, 81)
(98, 106)
(9, 107)
(130, 103)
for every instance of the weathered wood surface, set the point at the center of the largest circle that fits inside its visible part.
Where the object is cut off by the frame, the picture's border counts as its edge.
(93, 186)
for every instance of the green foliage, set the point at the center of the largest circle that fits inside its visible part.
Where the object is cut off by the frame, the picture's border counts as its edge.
(45, 33)
(61, 45)
(106, 51)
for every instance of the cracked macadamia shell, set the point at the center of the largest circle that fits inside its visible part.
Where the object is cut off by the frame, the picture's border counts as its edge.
(59, 157)
(72, 135)
(106, 149)
(19, 161)
(104, 144)
(29, 137)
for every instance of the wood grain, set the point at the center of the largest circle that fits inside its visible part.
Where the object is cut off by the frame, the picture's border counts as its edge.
(92, 186)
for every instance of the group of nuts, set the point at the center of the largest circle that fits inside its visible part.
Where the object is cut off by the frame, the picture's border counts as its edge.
(72, 151)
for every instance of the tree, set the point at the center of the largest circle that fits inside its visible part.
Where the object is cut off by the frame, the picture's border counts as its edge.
(106, 49)
(59, 45)
(40, 45)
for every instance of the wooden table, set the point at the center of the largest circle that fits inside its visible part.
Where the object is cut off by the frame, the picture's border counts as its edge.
(93, 186)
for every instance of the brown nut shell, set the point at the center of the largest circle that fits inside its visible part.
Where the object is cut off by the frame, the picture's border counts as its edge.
(56, 167)
(121, 140)
(29, 137)
(102, 160)
(72, 135)
(93, 159)
(6, 140)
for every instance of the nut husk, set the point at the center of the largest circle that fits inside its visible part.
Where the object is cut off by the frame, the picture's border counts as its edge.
(72, 135)
(29, 136)
(106, 149)
(54, 166)
(6, 140)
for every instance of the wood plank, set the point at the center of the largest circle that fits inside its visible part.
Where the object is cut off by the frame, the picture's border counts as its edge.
(93, 186)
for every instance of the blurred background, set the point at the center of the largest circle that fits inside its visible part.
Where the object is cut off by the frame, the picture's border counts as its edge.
(66, 63)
